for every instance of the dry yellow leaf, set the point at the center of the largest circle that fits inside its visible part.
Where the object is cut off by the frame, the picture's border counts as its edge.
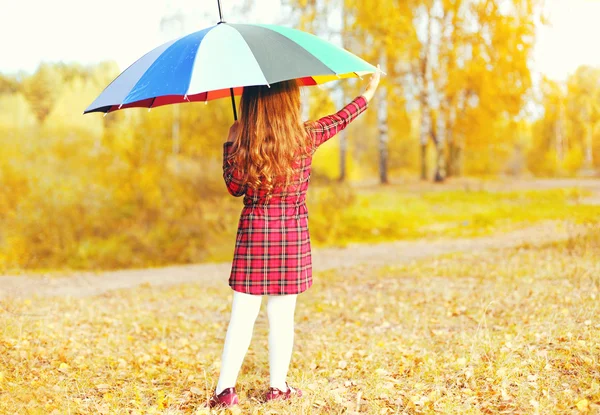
(63, 367)
(103, 387)
(196, 391)
(583, 405)
(234, 410)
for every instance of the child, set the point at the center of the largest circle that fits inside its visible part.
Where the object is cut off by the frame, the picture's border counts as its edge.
(267, 159)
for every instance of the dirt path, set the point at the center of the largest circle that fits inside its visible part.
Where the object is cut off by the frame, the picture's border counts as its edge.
(87, 284)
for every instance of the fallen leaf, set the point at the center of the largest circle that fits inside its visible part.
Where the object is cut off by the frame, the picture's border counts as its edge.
(196, 391)
(64, 368)
(103, 387)
(583, 405)
(234, 410)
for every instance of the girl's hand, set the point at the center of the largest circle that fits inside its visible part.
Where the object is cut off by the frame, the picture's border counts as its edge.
(233, 130)
(373, 83)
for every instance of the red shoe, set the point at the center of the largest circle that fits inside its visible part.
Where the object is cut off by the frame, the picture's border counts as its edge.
(275, 393)
(225, 399)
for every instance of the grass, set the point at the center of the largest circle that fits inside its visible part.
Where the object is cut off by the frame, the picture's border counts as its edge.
(70, 238)
(508, 331)
(343, 215)
(377, 216)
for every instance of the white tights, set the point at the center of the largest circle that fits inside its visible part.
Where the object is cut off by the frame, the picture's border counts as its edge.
(244, 311)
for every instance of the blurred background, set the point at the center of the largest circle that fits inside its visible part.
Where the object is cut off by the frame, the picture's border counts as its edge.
(482, 98)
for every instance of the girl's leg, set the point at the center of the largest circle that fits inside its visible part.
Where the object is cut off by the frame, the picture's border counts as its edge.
(280, 310)
(244, 311)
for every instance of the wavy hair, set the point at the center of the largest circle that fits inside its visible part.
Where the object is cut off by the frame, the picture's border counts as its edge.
(271, 136)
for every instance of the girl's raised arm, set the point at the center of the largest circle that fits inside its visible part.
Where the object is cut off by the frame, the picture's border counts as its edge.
(326, 127)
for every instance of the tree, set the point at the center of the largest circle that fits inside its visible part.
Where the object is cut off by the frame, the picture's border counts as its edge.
(387, 34)
(42, 89)
(9, 84)
(566, 138)
(463, 64)
(584, 108)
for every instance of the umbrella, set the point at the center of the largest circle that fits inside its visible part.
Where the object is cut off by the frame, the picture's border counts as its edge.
(219, 61)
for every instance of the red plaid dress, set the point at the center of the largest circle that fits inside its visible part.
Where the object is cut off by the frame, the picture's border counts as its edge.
(272, 249)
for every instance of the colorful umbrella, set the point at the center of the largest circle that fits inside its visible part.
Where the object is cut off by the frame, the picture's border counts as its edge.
(220, 60)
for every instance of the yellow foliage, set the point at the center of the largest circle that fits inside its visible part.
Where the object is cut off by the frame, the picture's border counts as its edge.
(15, 112)
(573, 161)
(567, 132)
(125, 190)
(67, 110)
(42, 89)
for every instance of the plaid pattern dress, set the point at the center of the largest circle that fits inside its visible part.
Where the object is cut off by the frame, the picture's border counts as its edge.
(272, 250)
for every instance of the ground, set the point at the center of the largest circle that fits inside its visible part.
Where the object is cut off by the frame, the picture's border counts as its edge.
(502, 323)
(216, 274)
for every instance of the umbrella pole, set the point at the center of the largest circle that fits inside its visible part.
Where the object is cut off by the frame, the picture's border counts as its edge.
(233, 104)
(230, 89)
(220, 12)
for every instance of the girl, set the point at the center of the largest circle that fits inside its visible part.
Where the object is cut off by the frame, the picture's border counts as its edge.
(267, 159)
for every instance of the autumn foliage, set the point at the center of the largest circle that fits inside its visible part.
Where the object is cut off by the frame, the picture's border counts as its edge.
(139, 188)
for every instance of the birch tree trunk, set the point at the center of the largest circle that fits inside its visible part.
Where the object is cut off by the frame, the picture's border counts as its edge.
(424, 133)
(438, 135)
(382, 122)
(423, 75)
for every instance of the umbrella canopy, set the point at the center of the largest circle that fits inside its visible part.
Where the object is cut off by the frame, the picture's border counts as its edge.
(220, 60)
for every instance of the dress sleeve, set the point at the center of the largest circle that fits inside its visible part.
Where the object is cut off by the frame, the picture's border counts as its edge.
(326, 127)
(232, 176)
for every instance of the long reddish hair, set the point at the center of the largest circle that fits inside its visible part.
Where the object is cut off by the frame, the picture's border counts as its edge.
(271, 136)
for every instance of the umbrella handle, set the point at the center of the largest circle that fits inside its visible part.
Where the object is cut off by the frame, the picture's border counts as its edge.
(233, 104)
